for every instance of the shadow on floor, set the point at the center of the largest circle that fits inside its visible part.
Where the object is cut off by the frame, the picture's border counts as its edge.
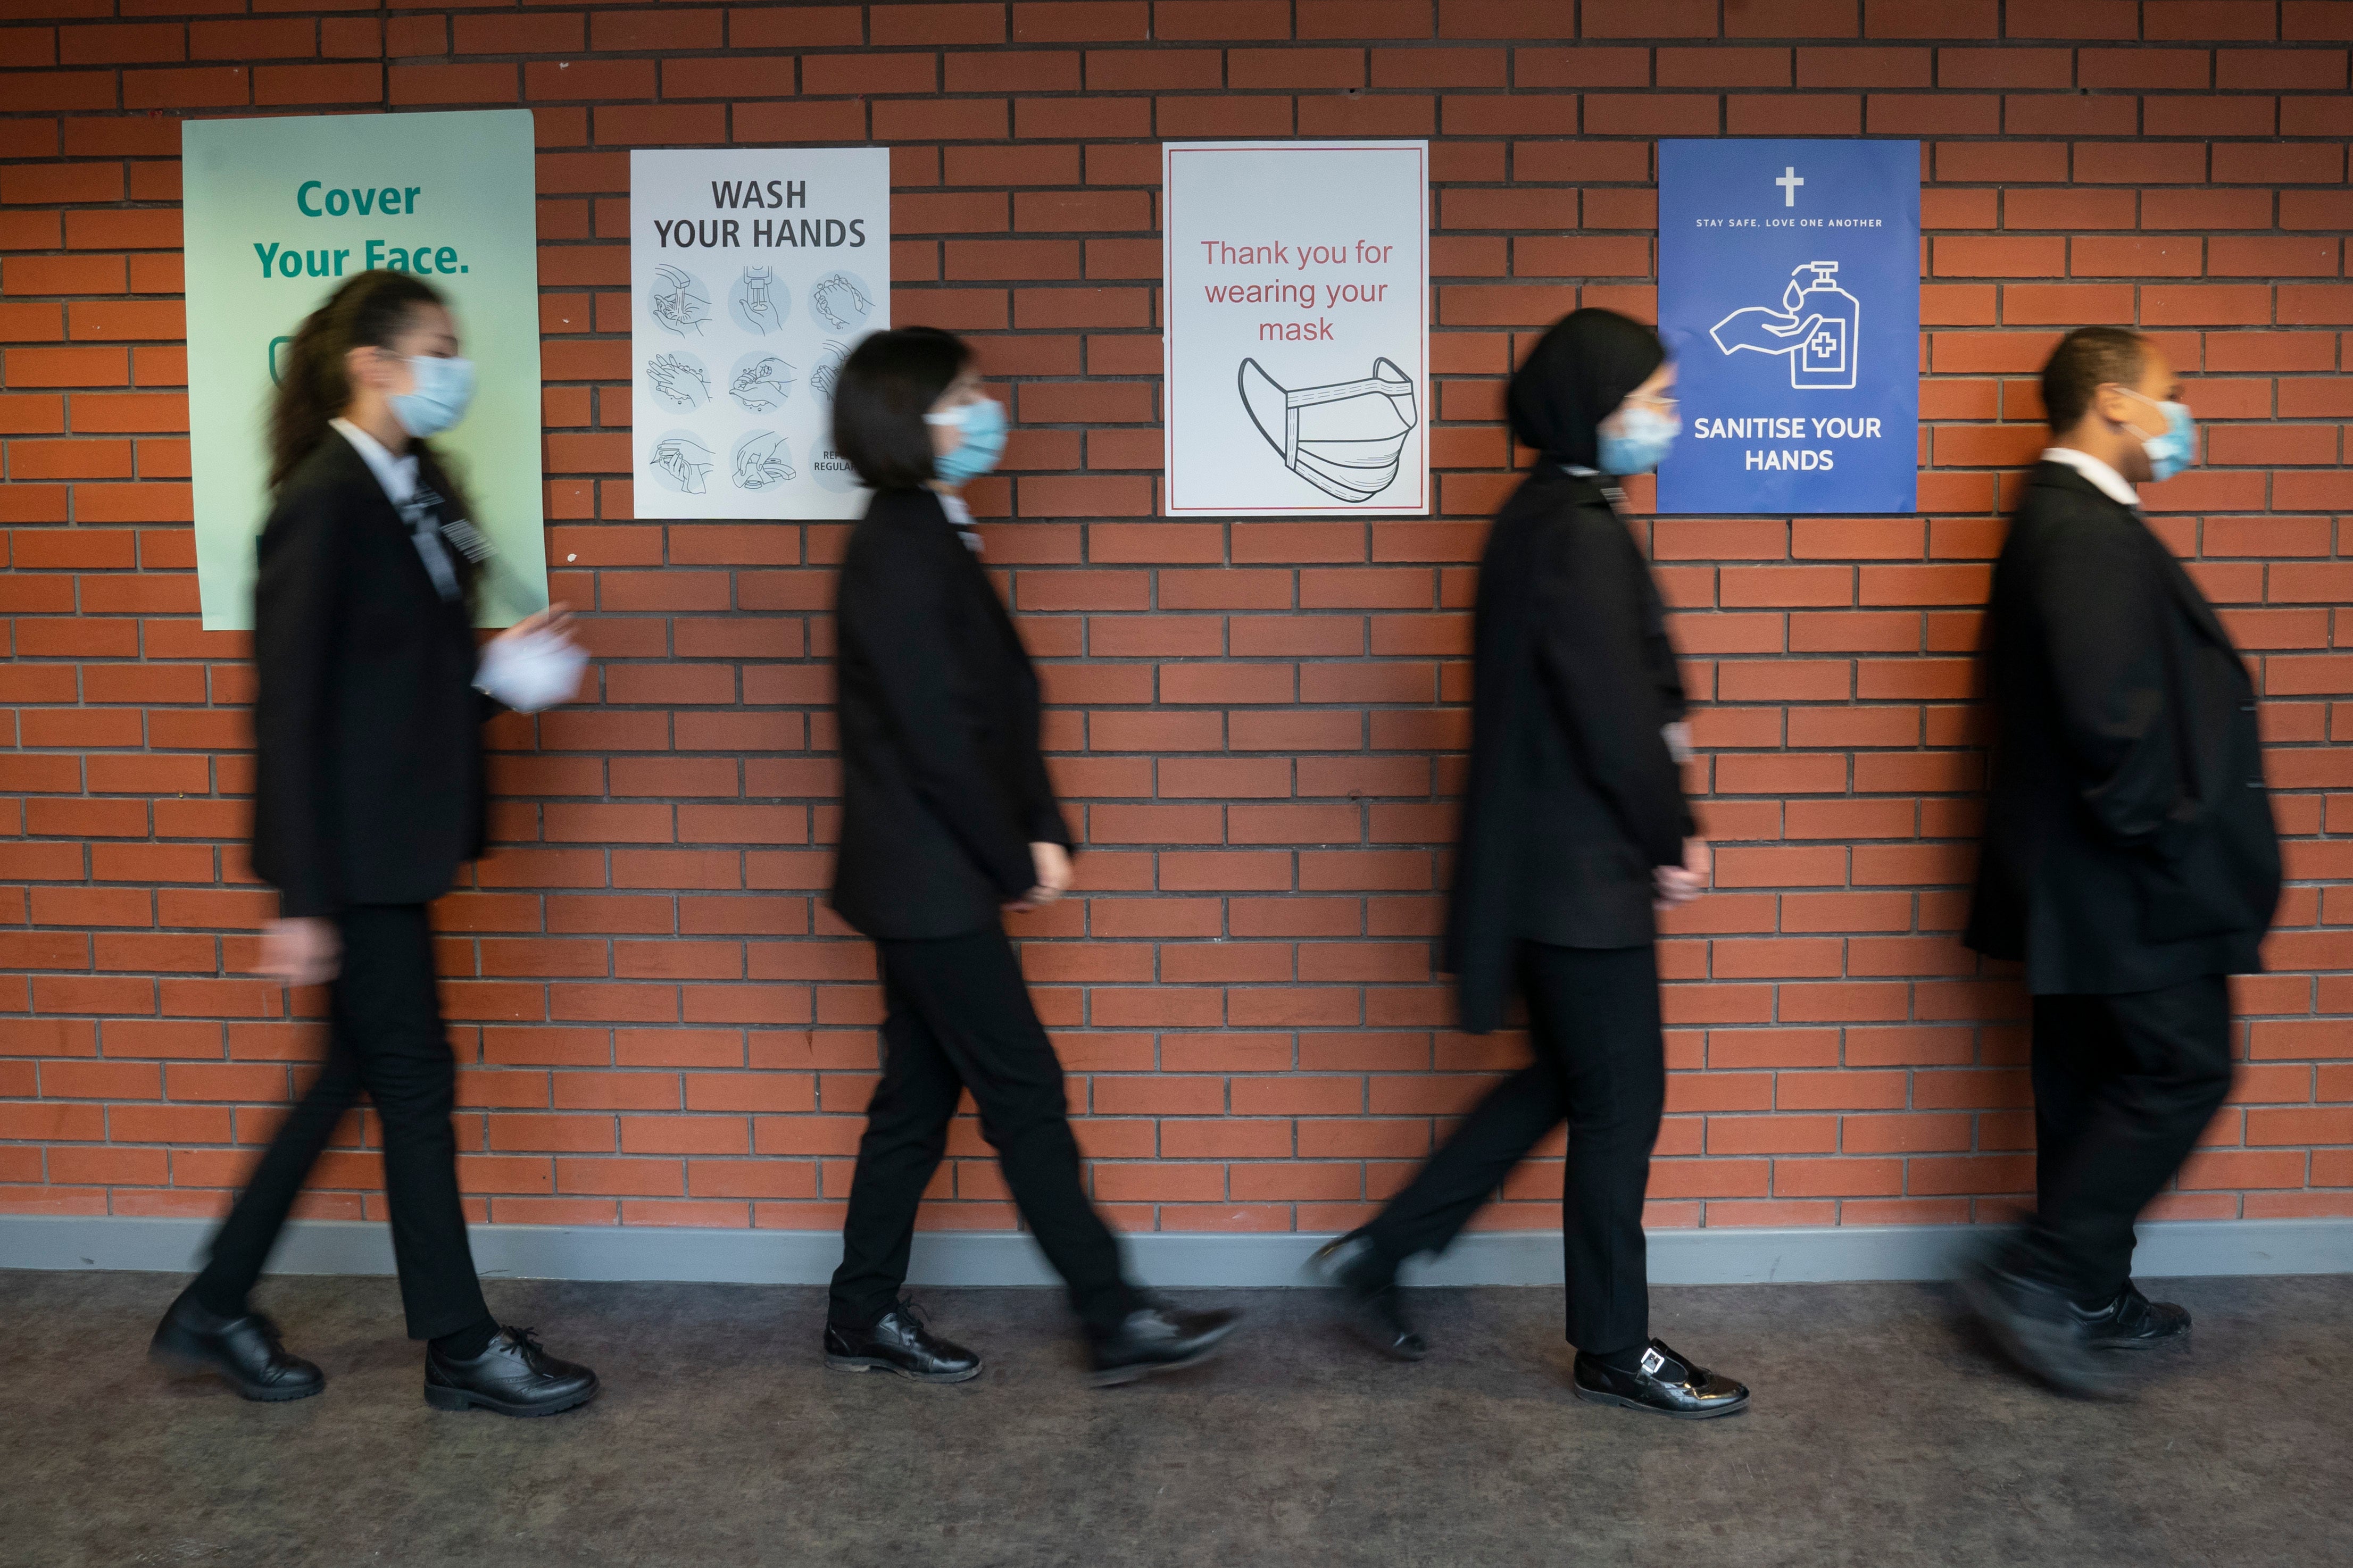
(1882, 1435)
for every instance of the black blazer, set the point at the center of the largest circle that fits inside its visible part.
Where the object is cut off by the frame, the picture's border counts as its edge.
(2129, 842)
(369, 728)
(942, 786)
(1573, 796)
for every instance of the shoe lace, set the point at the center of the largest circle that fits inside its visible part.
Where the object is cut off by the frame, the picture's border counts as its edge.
(912, 1314)
(526, 1340)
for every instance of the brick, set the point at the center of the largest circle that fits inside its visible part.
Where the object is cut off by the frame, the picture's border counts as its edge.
(1259, 724)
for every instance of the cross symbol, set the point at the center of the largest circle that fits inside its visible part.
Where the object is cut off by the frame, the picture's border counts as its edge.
(1789, 181)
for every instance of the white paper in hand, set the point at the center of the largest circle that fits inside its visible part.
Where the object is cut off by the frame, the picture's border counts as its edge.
(532, 670)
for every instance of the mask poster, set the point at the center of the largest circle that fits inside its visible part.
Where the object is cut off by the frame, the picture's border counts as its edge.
(277, 214)
(1297, 328)
(1790, 297)
(753, 272)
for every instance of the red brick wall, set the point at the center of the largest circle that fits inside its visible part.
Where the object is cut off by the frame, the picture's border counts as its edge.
(1257, 724)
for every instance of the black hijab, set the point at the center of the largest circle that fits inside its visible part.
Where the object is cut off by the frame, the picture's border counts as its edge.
(1581, 371)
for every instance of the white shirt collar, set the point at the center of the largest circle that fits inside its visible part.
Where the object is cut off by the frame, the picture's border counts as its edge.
(398, 478)
(2106, 480)
(960, 518)
(396, 475)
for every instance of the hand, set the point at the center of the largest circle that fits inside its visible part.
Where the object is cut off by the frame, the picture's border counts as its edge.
(838, 299)
(828, 369)
(682, 385)
(759, 305)
(765, 460)
(556, 618)
(1049, 863)
(684, 461)
(1681, 884)
(682, 309)
(302, 952)
(762, 386)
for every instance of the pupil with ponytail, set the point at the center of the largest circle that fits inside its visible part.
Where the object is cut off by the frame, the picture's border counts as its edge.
(368, 798)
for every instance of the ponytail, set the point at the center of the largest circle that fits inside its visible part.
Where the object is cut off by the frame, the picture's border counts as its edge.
(314, 387)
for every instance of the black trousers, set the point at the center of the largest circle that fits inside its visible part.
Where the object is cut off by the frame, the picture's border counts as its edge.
(1601, 1065)
(2122, 1088)
(960, 1018)
(386, 1039)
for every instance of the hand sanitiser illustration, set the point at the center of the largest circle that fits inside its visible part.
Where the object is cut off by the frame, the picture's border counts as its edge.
(1815, 327)
(1342, 438)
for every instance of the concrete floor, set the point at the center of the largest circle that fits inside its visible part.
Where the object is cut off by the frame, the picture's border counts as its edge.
(1882, 1435)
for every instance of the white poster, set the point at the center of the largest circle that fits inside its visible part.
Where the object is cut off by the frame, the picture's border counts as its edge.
(753, 272)
(1298, 326)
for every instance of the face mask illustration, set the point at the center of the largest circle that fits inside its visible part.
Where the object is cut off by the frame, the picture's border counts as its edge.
(1344, 439)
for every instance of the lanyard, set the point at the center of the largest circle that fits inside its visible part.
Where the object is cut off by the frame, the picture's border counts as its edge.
(421, 513)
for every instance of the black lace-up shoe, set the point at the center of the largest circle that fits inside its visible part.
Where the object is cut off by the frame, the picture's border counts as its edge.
(245, 1353)
(2132, 1322)
(515, 1376)
(900, 1343)
(2037, 1327)
(1365, 1288)
(1156, 1339)
(1664, 1384)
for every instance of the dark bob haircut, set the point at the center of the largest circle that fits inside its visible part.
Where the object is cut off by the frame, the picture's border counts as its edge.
(886, 387)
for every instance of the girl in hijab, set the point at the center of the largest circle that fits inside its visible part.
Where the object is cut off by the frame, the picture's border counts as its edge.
(1574, 831)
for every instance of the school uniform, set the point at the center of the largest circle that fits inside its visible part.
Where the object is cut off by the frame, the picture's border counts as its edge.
(943, 791)
(368, 796)
(2130, 858)
(1573, 799)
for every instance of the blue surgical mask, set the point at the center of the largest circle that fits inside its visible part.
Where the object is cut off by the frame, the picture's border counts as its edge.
(2173, 448)
(444, 387)
(1637, 439)
(982, 423)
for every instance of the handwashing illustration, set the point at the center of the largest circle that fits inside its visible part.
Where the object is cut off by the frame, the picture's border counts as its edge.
(1815, 327)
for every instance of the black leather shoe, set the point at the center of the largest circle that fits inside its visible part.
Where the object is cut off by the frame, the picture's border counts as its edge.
(245, 1353)
(2037, 1327)
(899, 1343)
(1366, 1290)
(2132, 1321)
(1665, 1384)
(514, 1376)
(1156, 1339)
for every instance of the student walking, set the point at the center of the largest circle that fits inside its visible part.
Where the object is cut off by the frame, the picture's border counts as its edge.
(369, 796)
(948, 819)
(2130, 858)
(1574, 829)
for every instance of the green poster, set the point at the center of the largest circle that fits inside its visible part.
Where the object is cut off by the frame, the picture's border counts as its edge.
(277, 211)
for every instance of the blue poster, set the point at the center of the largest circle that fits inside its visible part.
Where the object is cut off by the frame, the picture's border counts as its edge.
(1789, 295)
